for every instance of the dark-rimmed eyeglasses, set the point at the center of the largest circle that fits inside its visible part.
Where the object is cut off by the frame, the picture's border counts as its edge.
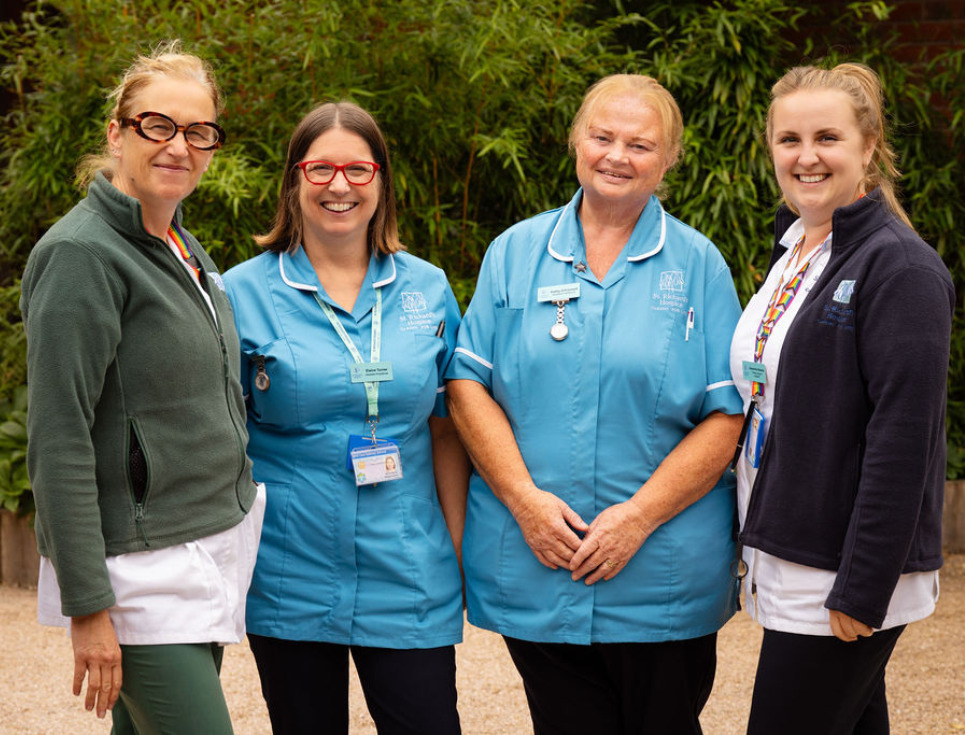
(357, 173)
(159, 128)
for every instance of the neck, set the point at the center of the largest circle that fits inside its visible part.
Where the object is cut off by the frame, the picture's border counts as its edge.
(813, 236)
(340, 268)
(606, 231)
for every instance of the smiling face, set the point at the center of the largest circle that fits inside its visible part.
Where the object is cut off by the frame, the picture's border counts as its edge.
(338, 210)
(621, 158)
(820, 154)
(160, 175)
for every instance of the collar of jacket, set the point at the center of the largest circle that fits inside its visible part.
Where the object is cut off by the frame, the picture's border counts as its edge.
(851, 225)
(122, 212)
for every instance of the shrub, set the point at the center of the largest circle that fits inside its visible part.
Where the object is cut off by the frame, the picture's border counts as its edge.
(475, 98)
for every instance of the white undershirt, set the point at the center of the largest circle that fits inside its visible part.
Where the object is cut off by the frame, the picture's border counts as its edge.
(189, 593)
(790, 597)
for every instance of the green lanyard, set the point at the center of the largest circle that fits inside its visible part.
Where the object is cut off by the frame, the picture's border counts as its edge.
(371, 387)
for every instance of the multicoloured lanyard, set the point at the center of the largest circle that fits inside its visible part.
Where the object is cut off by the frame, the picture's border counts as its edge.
(176, 236)
(780, 301)
(371, 387)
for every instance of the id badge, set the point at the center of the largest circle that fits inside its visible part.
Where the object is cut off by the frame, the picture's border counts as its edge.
(371, 372)
(371, 463)
(754, 444)
(754, 372)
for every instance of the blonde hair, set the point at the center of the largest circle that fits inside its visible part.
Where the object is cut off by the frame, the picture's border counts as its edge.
(167, 60)
(863, 87)
(649, 91)
(286, 227)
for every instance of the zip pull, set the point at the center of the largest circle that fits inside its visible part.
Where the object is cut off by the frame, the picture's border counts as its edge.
(139, 522)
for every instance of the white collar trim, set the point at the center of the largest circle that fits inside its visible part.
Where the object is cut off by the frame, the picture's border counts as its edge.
(632, 258)
(308, 287)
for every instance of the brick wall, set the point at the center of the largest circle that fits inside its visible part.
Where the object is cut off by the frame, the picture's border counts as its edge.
(924, 28)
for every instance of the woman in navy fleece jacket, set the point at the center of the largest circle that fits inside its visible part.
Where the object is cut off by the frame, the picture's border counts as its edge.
(841, 359)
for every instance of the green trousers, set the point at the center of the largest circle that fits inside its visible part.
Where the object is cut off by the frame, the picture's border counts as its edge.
(172, 690)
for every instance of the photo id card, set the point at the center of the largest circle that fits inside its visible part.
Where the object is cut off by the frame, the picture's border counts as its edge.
(754, 444)
(371, 463)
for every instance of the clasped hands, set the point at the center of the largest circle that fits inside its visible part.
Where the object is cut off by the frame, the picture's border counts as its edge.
(553, 532)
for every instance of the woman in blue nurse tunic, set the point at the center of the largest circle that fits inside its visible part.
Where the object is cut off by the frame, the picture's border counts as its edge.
(592, 389)
(344, 338)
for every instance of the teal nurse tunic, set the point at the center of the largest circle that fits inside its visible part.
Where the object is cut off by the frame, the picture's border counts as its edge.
(370, 565)
(594, 415)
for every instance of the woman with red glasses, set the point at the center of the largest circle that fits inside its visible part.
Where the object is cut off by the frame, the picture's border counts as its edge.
(147, 516)
(344, 339)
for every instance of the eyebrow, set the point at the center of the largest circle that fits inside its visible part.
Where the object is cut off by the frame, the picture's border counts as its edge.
(820, 131)
(607, 131)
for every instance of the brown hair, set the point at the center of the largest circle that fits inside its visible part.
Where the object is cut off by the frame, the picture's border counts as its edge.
(286, 227)
(167, 60)
(863, 88)
(650, 92)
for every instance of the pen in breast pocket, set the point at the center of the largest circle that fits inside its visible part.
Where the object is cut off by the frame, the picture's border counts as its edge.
(690, 323)
(441, 329)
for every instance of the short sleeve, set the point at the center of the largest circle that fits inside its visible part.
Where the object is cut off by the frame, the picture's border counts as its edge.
(722, 312)
(449, 336)
(473, 355)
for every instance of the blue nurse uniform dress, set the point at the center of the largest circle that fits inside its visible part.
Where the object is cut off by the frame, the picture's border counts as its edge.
(645, 360)
(360, 566)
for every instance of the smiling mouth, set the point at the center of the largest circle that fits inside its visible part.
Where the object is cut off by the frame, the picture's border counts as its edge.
(614, 174)
(339, 206)
(811, 178)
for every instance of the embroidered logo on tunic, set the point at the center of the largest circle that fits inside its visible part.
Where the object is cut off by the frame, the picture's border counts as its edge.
(671, 296)
(413, 301)
(415, 312)
(672, 281)
(843, 292)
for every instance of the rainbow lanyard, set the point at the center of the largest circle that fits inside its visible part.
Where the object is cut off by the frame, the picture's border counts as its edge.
(779, 303)
(181, 243)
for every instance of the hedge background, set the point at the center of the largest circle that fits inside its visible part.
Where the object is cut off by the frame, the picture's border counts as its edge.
(475, 97)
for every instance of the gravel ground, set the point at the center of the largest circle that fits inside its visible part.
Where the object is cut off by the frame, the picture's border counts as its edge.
(926, 677)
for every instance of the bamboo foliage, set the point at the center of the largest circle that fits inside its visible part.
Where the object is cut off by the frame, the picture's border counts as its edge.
(475, 98)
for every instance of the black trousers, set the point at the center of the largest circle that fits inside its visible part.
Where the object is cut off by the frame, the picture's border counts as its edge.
(305, 685)
(616, 688)
(809, 684)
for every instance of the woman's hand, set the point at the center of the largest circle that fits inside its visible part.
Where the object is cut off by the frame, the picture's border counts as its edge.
(97, 655)
(848, 629)
(613, 538)
(548, 526)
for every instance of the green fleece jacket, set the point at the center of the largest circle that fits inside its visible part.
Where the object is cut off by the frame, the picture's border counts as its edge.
(136, 421)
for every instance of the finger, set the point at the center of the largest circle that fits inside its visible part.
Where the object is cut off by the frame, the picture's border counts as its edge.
(546, 557)
(604, 571)
(104, 693)
(587, 548)
(567, 542)
(93, 687)
(594, 563)
(80, 670)
(117, 681)
(838, 627)
(574, 520)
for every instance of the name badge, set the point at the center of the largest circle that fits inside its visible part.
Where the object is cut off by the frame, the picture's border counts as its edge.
(371, 372)
(754, 444)
(754, 372)
(372, 463)
(563, 292)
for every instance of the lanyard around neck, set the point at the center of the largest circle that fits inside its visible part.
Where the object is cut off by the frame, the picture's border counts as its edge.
(176, 236)
(371, 387)
(780, 302)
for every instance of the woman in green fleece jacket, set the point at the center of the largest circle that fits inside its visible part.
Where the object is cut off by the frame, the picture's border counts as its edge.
(147, 515)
